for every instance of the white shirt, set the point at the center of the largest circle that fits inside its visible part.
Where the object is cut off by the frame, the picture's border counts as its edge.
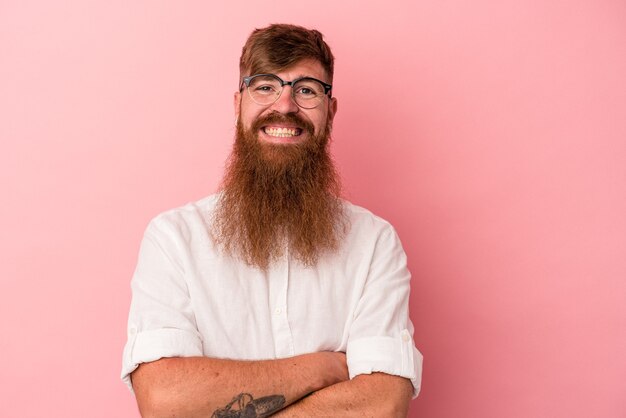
(191, 299)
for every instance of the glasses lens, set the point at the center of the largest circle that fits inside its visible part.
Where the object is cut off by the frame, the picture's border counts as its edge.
(308, 93)
(264, 89)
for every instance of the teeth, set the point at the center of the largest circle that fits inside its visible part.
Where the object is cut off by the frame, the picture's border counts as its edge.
(282, 132)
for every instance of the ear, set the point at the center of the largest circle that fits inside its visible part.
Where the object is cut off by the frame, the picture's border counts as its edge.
(332, 108)
(237, 104)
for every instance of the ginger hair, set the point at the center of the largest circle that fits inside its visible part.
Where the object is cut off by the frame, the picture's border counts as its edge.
(280, 46)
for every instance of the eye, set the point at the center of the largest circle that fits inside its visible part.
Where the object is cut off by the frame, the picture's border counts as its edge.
(265, 89)
(308, 89)
(264, 85)
(305, 91)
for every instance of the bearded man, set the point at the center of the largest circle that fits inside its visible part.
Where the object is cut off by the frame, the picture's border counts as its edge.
(274, 296)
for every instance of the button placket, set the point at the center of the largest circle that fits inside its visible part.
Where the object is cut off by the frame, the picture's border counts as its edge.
(283, 343)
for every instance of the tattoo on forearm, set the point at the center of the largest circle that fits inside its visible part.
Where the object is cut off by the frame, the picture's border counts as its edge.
(245, 406)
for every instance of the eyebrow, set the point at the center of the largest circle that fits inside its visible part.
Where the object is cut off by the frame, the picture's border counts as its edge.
(297, 77)
(310, 76)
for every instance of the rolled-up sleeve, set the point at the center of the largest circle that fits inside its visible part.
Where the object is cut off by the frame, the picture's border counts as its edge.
(381, 335)
(161, 321)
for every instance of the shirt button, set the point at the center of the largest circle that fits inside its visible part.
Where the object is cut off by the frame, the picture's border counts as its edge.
(278, 311)
(406, 338)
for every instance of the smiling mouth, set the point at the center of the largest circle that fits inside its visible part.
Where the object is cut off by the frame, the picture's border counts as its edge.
(281, 132)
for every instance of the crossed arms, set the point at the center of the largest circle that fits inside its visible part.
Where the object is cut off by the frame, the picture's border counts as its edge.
(165, 333)
(315, 384)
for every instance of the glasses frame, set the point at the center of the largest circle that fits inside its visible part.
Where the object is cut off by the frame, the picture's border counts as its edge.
(246, 81)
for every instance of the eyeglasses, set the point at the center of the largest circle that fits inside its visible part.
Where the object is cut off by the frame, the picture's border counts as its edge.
(265, 89)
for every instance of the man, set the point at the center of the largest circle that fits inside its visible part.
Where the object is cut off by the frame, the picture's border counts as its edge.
(274, 296)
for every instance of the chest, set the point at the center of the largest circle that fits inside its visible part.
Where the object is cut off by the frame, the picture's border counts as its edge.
(290, 309)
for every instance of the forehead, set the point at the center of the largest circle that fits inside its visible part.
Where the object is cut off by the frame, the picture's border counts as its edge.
(304, 68)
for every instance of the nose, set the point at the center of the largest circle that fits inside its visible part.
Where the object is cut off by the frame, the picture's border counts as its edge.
(285, 103)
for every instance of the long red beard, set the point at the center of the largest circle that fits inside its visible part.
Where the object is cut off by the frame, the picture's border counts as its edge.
(277, 196)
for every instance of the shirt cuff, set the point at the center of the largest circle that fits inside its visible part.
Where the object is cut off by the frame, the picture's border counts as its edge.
(392, 355)
(147, 346)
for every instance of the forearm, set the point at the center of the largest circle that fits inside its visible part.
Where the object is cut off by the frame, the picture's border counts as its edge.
(201, 386)
(375, 395)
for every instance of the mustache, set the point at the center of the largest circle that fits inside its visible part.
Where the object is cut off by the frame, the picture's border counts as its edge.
(288, 118)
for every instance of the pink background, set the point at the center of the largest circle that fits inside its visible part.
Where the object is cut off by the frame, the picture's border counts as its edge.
(492, 134)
